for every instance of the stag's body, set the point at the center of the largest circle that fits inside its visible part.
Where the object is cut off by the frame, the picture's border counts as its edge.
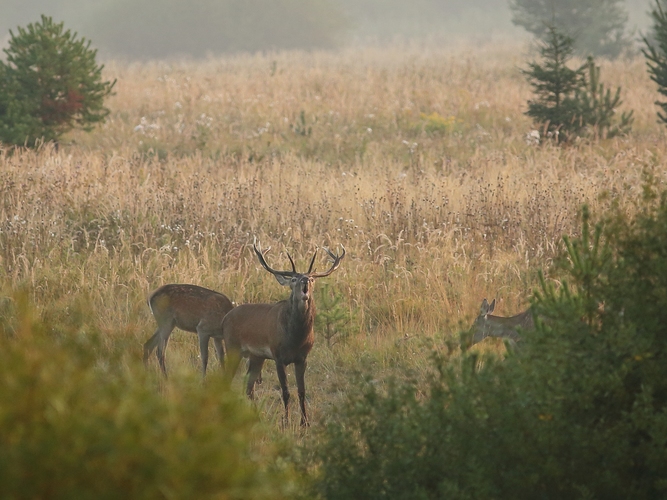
(191, 308)
(487, 325)
(282, 331)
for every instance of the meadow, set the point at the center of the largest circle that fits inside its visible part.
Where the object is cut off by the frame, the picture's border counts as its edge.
(416, 158)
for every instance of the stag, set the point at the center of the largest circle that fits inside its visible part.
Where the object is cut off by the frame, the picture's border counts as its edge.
(282, 331)
(487, 325)
(193, 309)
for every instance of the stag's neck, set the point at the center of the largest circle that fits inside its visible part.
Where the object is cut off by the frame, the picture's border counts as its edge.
(299, 322)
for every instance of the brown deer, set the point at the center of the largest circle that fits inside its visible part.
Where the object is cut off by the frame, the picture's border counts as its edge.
(487, 325)
(282, 331)
(190, 308)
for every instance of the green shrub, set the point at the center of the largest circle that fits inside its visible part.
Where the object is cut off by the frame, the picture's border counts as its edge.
(580, 411)
(332, 315)
(569, 102)
(49, 84)
(78, 421)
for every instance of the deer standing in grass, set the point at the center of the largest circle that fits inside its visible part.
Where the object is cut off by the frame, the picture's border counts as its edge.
(487, 325)
(190, 308)
(282, 331)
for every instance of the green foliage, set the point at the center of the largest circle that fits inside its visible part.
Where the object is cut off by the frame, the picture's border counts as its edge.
(49, 84)
(555, 85)
(78, 421)
(580, 411)
(656, 55)
(571, 102)
(332, 315)
(597, 106)
(435, 123)
(598, 25)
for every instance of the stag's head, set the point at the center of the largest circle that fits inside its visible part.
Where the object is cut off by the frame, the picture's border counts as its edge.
(301, 284)
(480, 327)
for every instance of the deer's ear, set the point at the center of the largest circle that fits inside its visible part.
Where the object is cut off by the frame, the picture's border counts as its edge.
(484, 309)
(492, 306)
(284, 281)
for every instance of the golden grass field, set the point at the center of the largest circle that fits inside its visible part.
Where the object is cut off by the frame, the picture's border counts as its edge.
(414, 158)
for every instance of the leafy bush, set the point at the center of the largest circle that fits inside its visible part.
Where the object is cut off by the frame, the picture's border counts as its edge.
(599, 25)
(332, 315)
(49, 84)
(78, 423)
(579, 412)
(656, 54)
(571, 102)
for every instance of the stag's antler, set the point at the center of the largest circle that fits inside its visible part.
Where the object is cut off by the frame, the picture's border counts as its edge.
(336, 262)
(260, 256)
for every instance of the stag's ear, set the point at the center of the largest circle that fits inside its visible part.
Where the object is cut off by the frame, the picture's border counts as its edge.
(283, 280)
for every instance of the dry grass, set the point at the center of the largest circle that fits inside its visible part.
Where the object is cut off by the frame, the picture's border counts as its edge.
(414, 158)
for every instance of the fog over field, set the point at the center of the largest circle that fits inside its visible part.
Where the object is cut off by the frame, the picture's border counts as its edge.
(148, 29)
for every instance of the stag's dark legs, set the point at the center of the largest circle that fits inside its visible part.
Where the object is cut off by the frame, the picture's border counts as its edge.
(300, 371)
(254, 373)
(282, 378)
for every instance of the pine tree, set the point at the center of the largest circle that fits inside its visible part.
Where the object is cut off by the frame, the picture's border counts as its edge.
(597, 105)
(656, 55)
(332, 316)
(571, 102)
(555, 108)
(49, 84)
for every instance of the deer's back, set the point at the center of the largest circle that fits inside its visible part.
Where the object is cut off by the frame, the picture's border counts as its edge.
(188, 306)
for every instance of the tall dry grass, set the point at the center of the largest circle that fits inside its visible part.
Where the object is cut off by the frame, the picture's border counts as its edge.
(414, 158)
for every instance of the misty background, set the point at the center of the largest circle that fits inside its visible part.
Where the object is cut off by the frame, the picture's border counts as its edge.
(148, 29)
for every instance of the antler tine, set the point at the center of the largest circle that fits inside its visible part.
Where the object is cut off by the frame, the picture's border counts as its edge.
(266, 266)
(291, 262)
(312, 261)
(336, 262)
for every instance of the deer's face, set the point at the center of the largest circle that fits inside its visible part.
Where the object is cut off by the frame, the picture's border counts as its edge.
(480, 326)
(302, 289)
(301, 286)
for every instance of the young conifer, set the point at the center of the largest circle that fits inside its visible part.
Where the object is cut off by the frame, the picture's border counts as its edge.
(656, 55)
(569, 102)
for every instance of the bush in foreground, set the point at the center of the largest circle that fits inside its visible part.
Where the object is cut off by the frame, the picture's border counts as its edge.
(580, 411)
(74, 424)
